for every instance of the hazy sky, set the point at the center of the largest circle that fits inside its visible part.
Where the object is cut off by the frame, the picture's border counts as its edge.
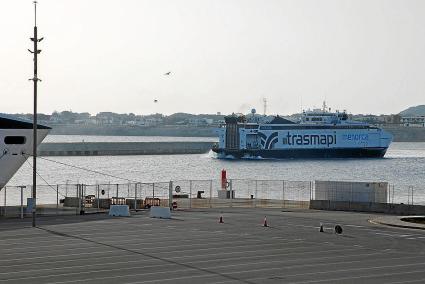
(365, 56)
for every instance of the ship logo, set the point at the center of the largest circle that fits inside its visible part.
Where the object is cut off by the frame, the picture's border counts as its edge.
(268, 142)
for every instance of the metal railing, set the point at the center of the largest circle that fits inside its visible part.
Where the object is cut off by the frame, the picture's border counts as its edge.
(186, 194)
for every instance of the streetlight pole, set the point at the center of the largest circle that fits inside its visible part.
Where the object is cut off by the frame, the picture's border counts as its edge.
(35, 80)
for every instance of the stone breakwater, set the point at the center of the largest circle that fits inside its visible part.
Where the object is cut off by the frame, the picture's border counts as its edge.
(123, 148)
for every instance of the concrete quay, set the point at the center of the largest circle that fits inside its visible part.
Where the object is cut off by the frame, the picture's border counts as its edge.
(386, 208)
(193, 247)
(123, 148)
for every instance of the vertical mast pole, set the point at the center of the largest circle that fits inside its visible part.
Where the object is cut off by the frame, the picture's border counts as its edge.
(34, 148)
(35, 80)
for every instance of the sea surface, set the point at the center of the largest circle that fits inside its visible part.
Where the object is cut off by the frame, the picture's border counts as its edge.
(402, 167)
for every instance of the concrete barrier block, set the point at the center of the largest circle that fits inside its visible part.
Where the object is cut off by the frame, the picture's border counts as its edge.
(379, 207)
(319, 204)
(398, 209)
(342, 205)
(119, 210)
(160, 212)
(418, 210)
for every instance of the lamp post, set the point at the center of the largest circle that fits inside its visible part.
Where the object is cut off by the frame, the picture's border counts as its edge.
(35, 80)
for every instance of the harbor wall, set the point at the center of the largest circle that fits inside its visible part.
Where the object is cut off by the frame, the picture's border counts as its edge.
(387, 208)
(123, 148)
(123, 130)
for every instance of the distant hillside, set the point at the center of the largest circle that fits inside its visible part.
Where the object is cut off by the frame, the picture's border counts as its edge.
(414, 111)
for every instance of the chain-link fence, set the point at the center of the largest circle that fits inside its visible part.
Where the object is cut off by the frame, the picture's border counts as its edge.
(186, 194)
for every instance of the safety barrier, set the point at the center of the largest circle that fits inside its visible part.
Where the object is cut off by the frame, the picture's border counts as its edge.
(182, 194)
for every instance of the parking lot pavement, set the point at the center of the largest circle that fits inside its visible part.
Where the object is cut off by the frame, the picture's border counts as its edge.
(194, 247)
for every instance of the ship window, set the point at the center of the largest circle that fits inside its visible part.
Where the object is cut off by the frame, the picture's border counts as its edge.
(15, 140)
(307, 119)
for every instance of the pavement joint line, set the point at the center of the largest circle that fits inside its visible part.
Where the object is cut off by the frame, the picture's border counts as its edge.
(229, 273)
(52, 256)
(358, 277)
(422, 280)
(148, 255)
(239, 234)
(237, 252)
(222, 253)
(352, 269)
(26, 251)
(133, 242)
(290, 253)
(46, 239)
(358, 245)
(159, 265)
(103, 270)
(198, 261)
(308, 226)
(292, 241)
(149, 248)
(159, 280)
(65, 260)
(315, 281)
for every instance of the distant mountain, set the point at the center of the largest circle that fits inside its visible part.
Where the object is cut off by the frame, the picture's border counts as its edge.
(414, 111)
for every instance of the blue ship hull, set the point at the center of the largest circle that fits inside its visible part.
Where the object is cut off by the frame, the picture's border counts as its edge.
(305, 153)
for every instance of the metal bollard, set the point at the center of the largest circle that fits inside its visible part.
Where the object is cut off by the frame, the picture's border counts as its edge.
(22, 201)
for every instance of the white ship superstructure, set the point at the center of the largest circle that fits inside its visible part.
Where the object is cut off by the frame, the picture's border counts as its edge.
(319, 134)
(16, 140)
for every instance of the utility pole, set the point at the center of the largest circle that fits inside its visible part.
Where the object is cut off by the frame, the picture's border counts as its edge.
(35, 80)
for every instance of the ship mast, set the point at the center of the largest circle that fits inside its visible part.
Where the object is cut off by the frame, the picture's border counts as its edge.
(35, 80)
(265, 106)
(324, 107)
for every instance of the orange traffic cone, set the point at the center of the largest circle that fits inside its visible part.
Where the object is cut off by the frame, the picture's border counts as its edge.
(221, 219)
(265, 222)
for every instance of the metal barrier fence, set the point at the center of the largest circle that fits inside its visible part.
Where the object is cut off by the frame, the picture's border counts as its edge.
(84, 198)
(186, 194)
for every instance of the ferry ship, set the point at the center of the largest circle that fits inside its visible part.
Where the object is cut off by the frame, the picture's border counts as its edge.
(16, 138)
(319, 134)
